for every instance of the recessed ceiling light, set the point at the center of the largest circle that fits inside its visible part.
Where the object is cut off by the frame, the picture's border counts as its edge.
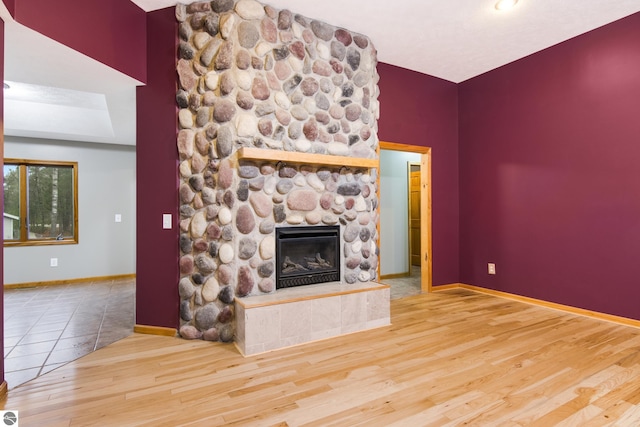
(505, 4)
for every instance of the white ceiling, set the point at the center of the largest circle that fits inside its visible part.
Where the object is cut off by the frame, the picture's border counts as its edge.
(454, 39)
(450, 39)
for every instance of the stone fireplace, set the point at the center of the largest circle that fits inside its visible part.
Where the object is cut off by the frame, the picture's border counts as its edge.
(278, 132)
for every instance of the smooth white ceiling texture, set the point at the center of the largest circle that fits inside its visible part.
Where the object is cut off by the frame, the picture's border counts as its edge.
(451, 39)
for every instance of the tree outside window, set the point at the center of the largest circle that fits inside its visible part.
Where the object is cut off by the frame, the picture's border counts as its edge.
(40, 202)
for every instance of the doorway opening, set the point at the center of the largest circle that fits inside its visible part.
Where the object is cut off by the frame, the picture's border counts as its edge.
(417, 213)
(89, 299)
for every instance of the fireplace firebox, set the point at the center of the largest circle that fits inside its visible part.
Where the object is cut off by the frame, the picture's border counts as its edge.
(307, 255)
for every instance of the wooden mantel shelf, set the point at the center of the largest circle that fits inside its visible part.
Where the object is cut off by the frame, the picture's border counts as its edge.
(248, 153)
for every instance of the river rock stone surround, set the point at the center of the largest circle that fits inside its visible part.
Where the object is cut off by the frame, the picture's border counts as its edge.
(253, 76)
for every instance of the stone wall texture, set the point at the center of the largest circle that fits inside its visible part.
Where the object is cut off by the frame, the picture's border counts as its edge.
(253, 76)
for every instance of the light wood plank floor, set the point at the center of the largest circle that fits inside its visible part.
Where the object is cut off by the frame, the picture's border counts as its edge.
(450, 358)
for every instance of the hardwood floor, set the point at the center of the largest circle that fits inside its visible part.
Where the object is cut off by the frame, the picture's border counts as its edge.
(450, 358)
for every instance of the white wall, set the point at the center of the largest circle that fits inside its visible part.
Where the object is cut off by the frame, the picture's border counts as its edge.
(106, 186)
(394, 211)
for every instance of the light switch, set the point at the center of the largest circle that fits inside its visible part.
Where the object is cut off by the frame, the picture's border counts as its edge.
(118, 218)
(166, 221)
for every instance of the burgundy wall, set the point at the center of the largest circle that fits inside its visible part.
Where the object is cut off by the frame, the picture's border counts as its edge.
(11, 6)
(112, 32)
(550, 173)
(157, 178)
(418, 109)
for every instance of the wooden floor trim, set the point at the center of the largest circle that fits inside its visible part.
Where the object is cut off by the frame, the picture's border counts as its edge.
(70, 281)
(395, 275)
(155, 330)
(3, 390)
(542, 303)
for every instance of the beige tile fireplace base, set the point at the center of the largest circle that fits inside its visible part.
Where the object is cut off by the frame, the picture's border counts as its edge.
(303, 314)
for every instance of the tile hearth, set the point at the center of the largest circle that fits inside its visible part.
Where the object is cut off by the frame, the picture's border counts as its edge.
(303, 314)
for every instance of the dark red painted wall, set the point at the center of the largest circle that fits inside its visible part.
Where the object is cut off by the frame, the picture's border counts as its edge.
(112, 32)
(11, 6)
(550, 173)
(157, 178)
(421, 110)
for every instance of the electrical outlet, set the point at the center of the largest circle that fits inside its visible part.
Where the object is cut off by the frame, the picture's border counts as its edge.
(53, 262)
(491, 268)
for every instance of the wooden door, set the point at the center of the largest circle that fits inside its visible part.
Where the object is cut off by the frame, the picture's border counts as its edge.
(414, 217)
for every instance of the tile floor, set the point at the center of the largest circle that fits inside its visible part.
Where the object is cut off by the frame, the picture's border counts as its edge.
(46, 327)
(405, 286)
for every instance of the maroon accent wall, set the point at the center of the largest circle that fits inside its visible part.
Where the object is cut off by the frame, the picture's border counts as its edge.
(550, 173)
(11, 6)
(112, 32)
(422, 110)
(157, 178)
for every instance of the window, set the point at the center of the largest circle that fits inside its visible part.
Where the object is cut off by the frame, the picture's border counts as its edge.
(40, 202)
